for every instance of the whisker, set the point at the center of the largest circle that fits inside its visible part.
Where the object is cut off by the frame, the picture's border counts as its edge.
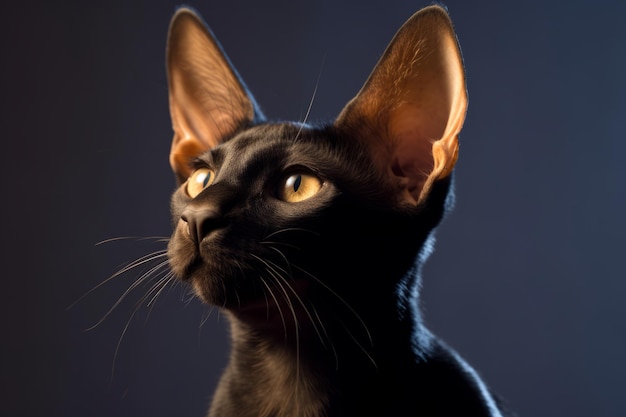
(119, 341)
(290, 229)
(296, 324)
(137, 238)
(358, 343)
(134, 264)
(134, 285)
(280, 310)
(278, 277)
(206, 318)
(316, 322)
(332, 345)
(305, 307)
(358, 317)
(273, 265)
(272, 274)
(157, 289)
(158, 272)
(308, 111)
(166, 279)
(269, 243)
(189, 293)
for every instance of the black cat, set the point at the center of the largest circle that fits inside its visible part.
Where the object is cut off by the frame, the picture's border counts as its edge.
(311, 239)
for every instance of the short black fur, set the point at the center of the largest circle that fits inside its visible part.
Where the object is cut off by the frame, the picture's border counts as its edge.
(322, 290)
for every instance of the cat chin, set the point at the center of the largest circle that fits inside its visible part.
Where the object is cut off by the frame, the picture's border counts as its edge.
(217, 283)
(250, 296)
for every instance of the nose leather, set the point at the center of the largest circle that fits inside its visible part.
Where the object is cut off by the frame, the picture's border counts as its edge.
(201, 222)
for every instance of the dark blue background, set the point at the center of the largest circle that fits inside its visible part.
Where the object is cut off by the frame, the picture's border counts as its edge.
(527, 281)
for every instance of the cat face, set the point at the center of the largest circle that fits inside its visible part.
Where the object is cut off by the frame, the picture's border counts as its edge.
(269, 215)
(274, 213)
(259, 183)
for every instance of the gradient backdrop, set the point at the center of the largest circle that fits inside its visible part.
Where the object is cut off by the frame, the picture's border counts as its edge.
(527, 281)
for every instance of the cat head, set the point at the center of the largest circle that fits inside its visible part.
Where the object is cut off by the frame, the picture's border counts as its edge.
(266, 212)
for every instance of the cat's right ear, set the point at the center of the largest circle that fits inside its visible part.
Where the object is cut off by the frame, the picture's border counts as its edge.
(412, 107)
(208, 100)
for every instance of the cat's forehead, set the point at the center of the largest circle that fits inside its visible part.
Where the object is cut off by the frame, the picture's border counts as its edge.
(265, 136)
(280, 143)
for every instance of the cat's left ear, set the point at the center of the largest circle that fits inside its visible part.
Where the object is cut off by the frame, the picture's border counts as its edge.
(208, 100)
(412, 107)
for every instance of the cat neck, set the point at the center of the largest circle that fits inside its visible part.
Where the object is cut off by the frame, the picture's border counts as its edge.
(298, 370)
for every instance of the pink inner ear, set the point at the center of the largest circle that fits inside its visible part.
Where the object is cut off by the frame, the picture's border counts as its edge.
(208, 101)
(414, 102)
(413, 131)
(412, 170)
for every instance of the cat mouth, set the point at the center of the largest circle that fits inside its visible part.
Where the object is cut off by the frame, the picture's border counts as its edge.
(245, 280)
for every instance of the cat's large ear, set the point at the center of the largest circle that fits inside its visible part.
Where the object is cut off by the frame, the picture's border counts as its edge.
(208, 100)
(412, 107)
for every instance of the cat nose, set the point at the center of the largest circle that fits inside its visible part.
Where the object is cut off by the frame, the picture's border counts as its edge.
(201, 222)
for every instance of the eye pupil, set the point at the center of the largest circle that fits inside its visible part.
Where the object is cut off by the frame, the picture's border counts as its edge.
(297, 182)
(299, 187)
(206, 179)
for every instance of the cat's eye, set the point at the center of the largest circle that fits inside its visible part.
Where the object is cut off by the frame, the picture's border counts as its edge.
(199, 180)
(298, 187)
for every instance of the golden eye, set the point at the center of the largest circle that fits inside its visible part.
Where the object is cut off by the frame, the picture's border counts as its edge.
(199, 180)
(299, 187)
